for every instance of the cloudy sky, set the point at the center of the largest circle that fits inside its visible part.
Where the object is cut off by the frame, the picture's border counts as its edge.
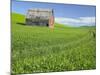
(67, 14)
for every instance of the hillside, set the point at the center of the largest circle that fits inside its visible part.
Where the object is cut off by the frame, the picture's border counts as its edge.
(40, 49)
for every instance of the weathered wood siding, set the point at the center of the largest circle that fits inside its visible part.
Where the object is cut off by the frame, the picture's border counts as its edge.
(40, 17)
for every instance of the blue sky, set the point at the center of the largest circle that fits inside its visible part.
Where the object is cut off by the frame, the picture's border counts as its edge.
(68, 14)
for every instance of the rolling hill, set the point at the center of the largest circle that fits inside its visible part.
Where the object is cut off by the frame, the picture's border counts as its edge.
(40, 49)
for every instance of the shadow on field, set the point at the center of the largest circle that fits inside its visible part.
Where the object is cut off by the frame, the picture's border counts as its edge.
(21, 23)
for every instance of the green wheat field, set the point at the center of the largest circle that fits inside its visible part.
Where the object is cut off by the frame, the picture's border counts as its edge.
(36, 49)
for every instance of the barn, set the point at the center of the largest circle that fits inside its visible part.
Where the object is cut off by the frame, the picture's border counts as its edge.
(40, 17)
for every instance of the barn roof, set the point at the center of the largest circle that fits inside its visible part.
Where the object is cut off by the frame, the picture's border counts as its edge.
(40, 9)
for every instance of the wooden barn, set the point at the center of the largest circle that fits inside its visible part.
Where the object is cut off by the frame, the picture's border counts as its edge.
(40, 17)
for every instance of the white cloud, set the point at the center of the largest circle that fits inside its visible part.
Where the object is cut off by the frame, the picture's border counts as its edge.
(81, 21)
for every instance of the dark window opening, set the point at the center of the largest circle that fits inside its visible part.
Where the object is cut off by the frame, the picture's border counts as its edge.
(47, 24)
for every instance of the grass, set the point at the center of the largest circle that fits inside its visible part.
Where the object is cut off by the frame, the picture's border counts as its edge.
(39, 49)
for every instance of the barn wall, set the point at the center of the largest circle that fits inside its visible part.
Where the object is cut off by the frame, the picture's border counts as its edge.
(39, 17)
